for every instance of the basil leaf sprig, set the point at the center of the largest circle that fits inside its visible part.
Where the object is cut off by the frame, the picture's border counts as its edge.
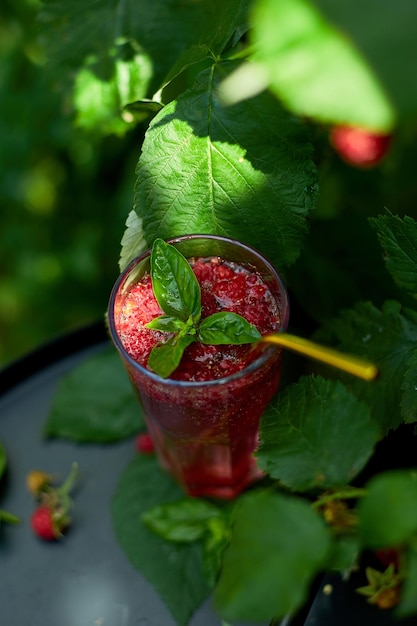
(177, 292)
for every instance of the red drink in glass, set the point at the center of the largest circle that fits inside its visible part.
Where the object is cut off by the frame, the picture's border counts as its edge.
(204, 419)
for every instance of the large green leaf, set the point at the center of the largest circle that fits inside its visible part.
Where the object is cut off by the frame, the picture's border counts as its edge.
(242, 171)
(175, 569)
(386, 337)
(95, 402)
(75, 30)
(398, 238)
(385, 33)
(315, 69)
(388, 512)
(278, 545)
(315, 435)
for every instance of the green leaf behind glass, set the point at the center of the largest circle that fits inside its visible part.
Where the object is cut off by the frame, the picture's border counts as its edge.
(174, 283)
(95, 402)
(278, 545)
(388, 512)
(386, 337)
(316, 434)
(243, 171)
(176, 570)
(398, 237)
(385, 35)
(226, 327)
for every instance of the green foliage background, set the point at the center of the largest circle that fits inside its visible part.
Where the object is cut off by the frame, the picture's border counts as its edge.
(126, 124)
(64, 196)
(68, 160)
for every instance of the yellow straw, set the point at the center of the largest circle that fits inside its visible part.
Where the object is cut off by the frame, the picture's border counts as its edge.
(346, 362)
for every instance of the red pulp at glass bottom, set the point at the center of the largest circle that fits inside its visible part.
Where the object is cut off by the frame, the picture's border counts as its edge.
(205, 435)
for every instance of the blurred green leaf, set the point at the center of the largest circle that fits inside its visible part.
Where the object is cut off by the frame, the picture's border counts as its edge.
(408, 601)
(385, 34)
(95, 402)
(175, 569)
(184, 520)
(315, 69)
(388, 512)
(278, 545)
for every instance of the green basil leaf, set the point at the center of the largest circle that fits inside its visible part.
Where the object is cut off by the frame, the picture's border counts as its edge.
(166, 324)
(215, 543)
(227, 327)
(165, 357)
(174, 283)
(185, 520)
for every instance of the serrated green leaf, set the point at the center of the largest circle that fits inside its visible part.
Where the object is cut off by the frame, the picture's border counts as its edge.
(388, 512)
(227, 328)
(386, 337)
(278, 545)
(165, 357)
(133, 240)
(95, 402)
(386, 37)
(316, 434)
(315, 69)
(398, 238)
(174, 283)
(175, 569)
(184, 520)
(243, 171)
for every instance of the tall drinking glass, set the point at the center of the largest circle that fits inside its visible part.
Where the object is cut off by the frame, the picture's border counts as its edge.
(205, 433)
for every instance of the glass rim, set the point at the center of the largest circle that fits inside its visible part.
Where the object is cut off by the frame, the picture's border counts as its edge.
(266, 353)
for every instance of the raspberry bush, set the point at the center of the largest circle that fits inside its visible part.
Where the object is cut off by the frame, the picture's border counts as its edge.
(238, 108)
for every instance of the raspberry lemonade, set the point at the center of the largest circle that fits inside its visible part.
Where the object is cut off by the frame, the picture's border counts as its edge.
(203, 416)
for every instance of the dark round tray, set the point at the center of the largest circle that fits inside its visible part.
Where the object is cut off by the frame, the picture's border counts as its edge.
(84, 580)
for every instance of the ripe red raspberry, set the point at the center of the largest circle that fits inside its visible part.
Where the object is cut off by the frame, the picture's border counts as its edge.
(358, 146)
(44, 525)
(144, 443)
